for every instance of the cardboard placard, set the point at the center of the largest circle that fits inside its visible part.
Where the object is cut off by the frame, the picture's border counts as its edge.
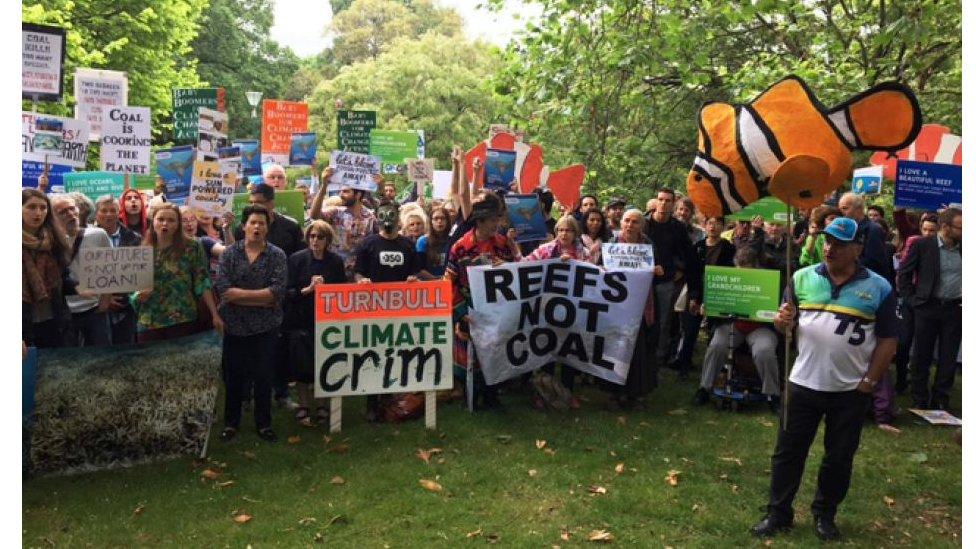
(279, 120)
(353, 129)
(126, 140)
(96, 91)
(115, 270)
(751, 294)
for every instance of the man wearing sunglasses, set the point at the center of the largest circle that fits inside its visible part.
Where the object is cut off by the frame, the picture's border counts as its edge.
(846, 333)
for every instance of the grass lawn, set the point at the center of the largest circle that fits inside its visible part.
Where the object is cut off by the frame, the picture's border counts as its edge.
(499, 486)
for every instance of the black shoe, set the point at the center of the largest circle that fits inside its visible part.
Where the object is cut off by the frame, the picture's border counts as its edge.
(771, 525)
(701, 397)
(825, 528)
(773, 404)
(228, 434)
(268, 435)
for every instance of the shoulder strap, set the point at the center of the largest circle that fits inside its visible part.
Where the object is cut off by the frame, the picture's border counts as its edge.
(77, 244)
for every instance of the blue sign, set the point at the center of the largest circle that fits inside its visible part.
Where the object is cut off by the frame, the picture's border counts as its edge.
(175, 167)
(302, 152)
(250, 156)
(525, 216)
(927, 185)
(867, 180)
(30, 171)
(499, 169)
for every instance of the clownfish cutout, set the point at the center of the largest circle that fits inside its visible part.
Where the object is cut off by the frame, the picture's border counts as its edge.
(935, 143)
(786, 144)
(530, 170)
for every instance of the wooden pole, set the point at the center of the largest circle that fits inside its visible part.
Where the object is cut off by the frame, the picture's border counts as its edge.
(785, 404)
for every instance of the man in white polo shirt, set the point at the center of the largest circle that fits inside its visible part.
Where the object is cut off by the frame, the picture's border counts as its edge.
(846, 338)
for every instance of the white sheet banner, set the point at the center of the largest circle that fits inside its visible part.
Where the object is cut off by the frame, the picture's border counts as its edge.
(526, 315)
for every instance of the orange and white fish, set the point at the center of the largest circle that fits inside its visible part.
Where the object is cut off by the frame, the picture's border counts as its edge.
(787, 144)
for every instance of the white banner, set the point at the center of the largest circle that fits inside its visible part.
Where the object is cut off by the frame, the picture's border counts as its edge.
(126, 140)
(95, 92)
(355, 170)
(622, 256)
(526, 315)
(115, 270)
(74, 142)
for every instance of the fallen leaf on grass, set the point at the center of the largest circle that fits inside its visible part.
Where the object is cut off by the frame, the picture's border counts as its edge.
(225, 484)
(210, 474)
(294, 439)
(431, 485)
(337, 480)
(441, 461)
(139, 509)
(678, 412)
(540, 444)
(600, 490)
(425, 454)
(242, 518)
(318, 537)
(504, 439)
(474, 534)
(564, 535)
(889, 501)
(765, 423)
(919, 457)
(533, 472)
(695, 507)
(249, 454)
(492, 538)
(672, 478)
(619, 468)
(622, 420)
(326, 438)
(768, 543)
(306, 521)
(600, 536)
(549, 451)
(335, 519)
(732, 459)
(888, 428)
(339, 449)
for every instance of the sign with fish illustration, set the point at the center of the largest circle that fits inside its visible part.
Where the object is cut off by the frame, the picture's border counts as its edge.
(499, 169)
(786, 144)
(303, 148)
(250, 156)
(867, 180)
(175, 167)
(525, 216)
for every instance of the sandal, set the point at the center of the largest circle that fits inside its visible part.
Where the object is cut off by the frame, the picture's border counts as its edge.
(228, 434)
(322, 414)
(301, 413)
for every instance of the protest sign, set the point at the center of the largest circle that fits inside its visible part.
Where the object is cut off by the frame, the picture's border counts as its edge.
(115, 270)
(175, 167)
(210, 192)
(353, 128)
(74, 141)
(525, 216)
(495, 129)
(250, 156)
(31, 171)
(229, 159)
(355, 170)
(742, 293)
(96, 91)
(302, 150)
(279, 120)
(94, 184)
(48, 135)
(937, 417)
(212, 131)
(628, 256)
(927, 185)
(770, 208)
(290, 203)
(126, 139)
(442, 184)
(867, 180)
(383, 338)
(394, 147)
(420, 172)
(186, 113)
(499, 169)
(42, 62)
(529, 314)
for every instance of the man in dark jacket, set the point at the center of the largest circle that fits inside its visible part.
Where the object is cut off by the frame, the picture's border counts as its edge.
(874, 256)
(930, 280)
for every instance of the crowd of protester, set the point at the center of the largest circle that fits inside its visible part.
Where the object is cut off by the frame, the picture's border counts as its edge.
(254, 283)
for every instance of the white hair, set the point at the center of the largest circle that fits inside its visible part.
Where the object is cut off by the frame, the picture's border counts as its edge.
(266, 169)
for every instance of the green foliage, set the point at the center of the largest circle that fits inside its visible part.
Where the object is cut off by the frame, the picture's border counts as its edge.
(439, 84)
(148, 39)
(366, 26)
(617, 84)
(235, 51)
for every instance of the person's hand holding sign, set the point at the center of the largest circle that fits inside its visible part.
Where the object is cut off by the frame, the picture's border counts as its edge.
(785, 317)
(316, 279)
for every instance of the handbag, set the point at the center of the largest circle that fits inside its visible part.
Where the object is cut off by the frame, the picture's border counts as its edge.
(301, 355)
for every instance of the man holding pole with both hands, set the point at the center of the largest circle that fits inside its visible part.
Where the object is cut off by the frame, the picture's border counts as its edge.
(846, 332)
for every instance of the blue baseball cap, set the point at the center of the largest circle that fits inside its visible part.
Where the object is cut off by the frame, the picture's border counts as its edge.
(844, 229)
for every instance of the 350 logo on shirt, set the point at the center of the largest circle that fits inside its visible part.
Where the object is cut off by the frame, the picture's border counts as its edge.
(391, 259)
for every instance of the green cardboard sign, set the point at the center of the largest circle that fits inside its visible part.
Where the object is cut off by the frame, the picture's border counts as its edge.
(770, 208)
(393, 147)
(353, 128)
(186, 110)
(751, 294)
(290, 203)
(95, 184)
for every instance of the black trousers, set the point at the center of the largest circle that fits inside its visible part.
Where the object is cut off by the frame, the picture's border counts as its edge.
(942, 322)
(843, 414)
(249, 359)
